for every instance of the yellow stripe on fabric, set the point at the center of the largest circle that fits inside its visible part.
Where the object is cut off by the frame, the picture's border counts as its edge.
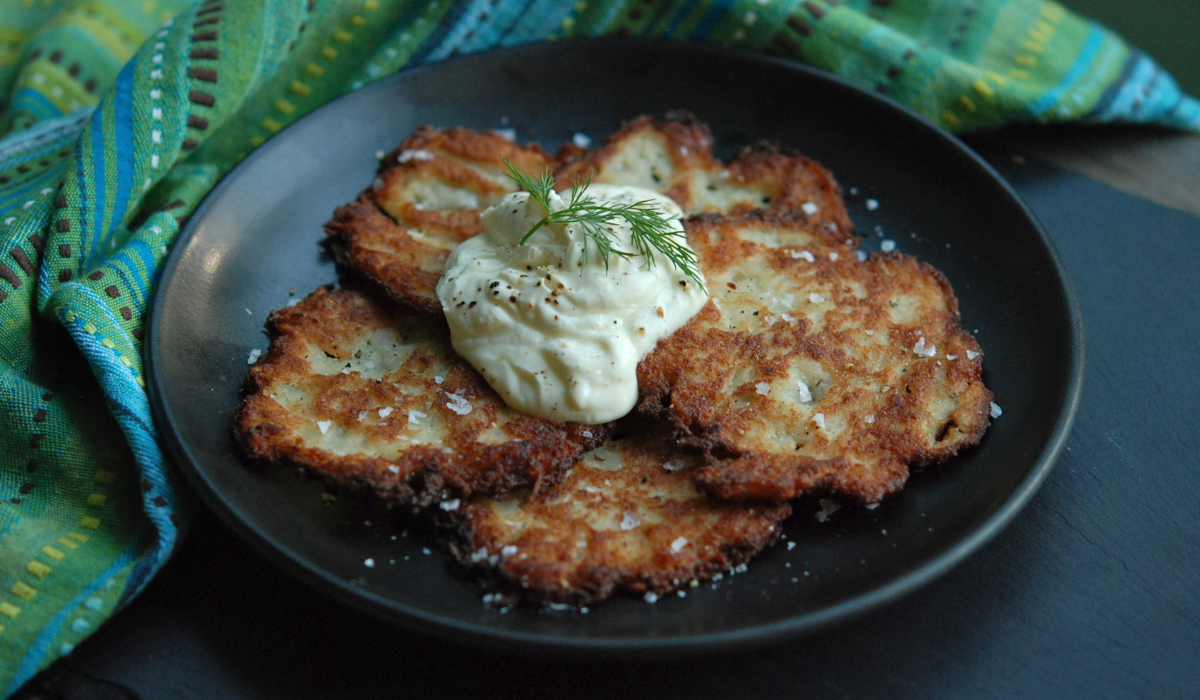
(24, 591)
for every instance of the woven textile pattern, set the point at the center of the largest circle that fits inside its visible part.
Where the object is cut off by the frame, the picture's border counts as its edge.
(120, 115)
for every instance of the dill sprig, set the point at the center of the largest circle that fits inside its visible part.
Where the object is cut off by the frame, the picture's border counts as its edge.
(650, 229)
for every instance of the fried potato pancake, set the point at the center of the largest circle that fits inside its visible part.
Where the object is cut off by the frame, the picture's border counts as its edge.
(399, 233)
(673, 155)
(812, 370)
(627, 517)
(368, 395)
(427, 199)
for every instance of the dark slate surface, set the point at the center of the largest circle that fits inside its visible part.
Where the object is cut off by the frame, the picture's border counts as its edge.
(1094, 591)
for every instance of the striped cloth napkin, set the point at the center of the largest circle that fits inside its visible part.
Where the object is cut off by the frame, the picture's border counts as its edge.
(120, 115)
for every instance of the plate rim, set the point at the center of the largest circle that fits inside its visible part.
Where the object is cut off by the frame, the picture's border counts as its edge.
(524, 643)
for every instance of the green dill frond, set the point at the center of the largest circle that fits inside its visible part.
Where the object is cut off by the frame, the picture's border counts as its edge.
(650, 230)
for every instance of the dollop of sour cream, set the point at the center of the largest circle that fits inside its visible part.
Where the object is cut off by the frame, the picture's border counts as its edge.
(554, 332)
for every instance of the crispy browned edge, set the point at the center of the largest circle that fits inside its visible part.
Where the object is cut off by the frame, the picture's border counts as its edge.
(407, 273)
(533, 583)
(536, 459)
(772, 476)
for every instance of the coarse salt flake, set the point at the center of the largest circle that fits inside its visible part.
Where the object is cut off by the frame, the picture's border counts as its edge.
(506, 134)
(789, 318)
(921, 350)
(762, 388)
(508, 550)
(791, 546)
(951, 357)
(450, 505)
(872, 204)
(971, 354)
(887, 245)
(393, 469)
(815, 298)
(369, 563)
(479, 555)
(587, 433)
(803, 255)
(415, 417)
(458, 404)
(678, 544)
(861, 255)
(819, 419)
(809, 208)
(438, 380)
(418, 154)
(674, 465)
(805, 392)
(385, 412)
(996, 411)
(254, 355)
(582, 140)
(828, 508)
(630, 521)
(833, 257)
(870, 419)
(650, 597)
(323, 425)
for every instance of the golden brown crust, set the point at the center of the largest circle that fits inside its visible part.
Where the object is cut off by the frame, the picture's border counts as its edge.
(368, 396)
(618, 521)
(434, 197)
(426, 200)
(673, 155)
(851, 331)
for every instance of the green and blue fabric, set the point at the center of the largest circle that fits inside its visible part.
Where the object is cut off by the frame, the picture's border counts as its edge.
(120, 115)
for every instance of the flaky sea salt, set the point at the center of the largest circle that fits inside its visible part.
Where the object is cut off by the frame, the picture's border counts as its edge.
(508, 550)
(805, 392)
(458, 404)
(650, 597)
(417, 154)
(385, 412)
(921, 350)
(791, 546)
(630, 521)
(678, 544)
(809, 208)
(450, 505)
(996, 411)
(506, 134)
(414, 417)
(833, 257)
(803, 255)
(872, 204)
(253, 357)
(369, 563)
(828, 508)
(762, 388)
(323, 425)
(816, 298)
(870, 419)
(861, 255)
(393, 469)
(674, 465)
(971, 354)
(887, 245)
(819, 419)
(582, 140)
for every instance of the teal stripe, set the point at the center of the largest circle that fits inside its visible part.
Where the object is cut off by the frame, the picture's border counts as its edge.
(123, 128)
(1091, 47)
(41, 645)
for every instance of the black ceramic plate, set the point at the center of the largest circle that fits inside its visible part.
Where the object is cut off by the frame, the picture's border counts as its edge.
(257, 236)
